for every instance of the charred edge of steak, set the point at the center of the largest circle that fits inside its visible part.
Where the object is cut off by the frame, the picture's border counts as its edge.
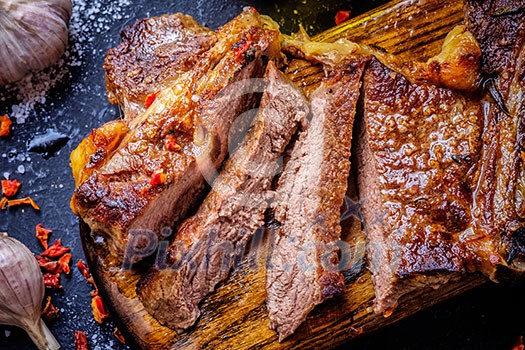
(206, 244)
(152, 51)
(498, 26)
(302, 270)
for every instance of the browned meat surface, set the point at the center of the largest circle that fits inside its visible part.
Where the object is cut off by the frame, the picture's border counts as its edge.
(419, 154)
(499, 26)
(441, 175)
(302, 268)
(418, 147)
(153, 53)
(158, 170)
(204, 248)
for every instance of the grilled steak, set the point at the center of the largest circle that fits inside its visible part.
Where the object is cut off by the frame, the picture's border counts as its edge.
(499, 26)
(204, 248)
(417, 152)
(302, 269)
(441, 174)
(153, 53)
(158, 170)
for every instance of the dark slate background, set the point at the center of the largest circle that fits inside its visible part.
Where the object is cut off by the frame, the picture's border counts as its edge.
(489, 317)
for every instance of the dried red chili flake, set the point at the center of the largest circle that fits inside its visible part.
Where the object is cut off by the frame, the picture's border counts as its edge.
(4, 203)
(50, 312)
(5, 125)
(52, 280)
(241, 47)
(119, 336)
(10, 187)
(64, 262)
(170, 143)
(84, 270)
(99, 311)
(56, 250)
(342, 16)
(42, 234)
(81, 342)
(51, 266)
(150, 99)
(41, 260)
(157, 178)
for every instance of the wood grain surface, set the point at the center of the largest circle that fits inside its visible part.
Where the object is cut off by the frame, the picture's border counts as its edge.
(235, 316)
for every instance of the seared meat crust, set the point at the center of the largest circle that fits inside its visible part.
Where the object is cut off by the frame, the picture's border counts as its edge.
(417, 149)
(152, 54)
(499, 26)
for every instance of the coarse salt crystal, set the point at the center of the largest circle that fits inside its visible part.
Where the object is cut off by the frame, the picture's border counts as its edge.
(86, 20)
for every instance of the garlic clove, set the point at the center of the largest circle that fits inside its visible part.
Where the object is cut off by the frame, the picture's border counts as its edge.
(22, 292)
(33, 35)
(42, 336)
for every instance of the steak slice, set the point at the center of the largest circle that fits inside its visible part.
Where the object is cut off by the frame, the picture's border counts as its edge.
(302, 269)
(499, 26)
(158, 170)
(152, 54)
(417, 151)
(204, 248)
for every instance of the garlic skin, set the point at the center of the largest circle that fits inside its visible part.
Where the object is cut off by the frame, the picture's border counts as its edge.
(22, 291)
(33, 35)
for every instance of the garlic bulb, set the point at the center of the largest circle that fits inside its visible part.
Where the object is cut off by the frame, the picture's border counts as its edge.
(33, 35)
(22, 291)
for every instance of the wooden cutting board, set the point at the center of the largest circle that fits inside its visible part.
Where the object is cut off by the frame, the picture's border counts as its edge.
(235, 315)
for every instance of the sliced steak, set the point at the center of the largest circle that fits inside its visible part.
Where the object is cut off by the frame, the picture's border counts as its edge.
(159, 168)
(417, 151)
(204, 248)
(302, 269)
(153, 53)
(499, 26)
